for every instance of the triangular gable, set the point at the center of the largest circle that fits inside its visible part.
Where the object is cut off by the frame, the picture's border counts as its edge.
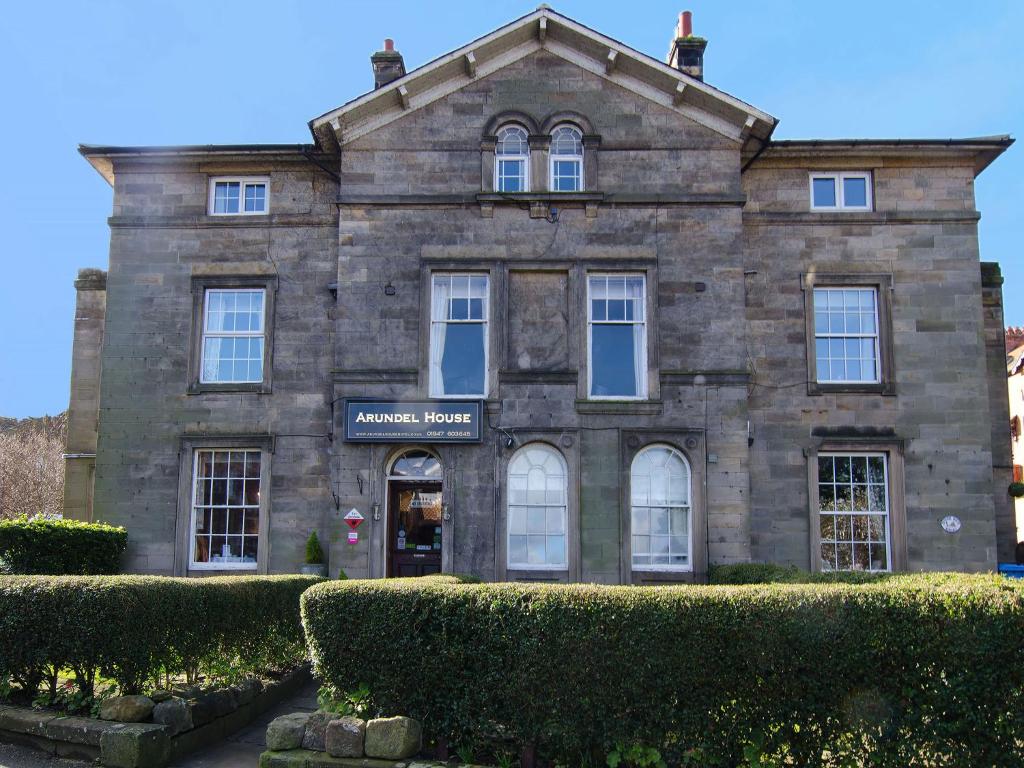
(545, 29)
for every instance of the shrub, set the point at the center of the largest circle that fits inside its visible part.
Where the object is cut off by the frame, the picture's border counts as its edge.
(314, 552)
(136, 629)
(912, 670)
(55, 546)
(770, 573)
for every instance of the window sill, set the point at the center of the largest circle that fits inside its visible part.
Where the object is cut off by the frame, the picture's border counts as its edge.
(198, 388)
(540, 197)
(626, 407)
(886, 388)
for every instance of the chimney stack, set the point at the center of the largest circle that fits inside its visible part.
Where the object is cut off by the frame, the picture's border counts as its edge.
(387, 65)
(687, 51)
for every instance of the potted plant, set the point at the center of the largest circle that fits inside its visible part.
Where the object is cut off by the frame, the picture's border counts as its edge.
(314, 565)
(1016, 490)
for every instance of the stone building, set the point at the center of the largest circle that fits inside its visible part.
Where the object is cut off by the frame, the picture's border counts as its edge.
(545, 308)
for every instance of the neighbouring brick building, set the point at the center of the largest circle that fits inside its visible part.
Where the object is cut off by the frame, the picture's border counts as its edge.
(545, 308)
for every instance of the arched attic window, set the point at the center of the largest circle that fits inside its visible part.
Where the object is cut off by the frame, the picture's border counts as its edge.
(566, 170)
(512, 160)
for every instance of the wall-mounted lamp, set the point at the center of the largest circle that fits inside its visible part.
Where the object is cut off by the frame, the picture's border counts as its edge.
(553, 215)
(376, 511)
(445, 514)
(389, 289)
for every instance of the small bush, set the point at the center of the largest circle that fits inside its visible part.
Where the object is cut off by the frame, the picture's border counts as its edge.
(770, 573)
(314, 552)
(56, 546)
(137, 630)
(909, 670)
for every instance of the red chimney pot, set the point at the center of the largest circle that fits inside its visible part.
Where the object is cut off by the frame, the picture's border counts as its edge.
(686, 24)
(389, 44)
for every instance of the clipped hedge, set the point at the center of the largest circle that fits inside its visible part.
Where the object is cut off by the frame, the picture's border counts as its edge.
(913, 670)
(771, 573)
(56, 546)
(137, 629)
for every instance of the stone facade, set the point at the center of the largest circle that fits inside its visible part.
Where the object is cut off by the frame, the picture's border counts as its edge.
(716, 220)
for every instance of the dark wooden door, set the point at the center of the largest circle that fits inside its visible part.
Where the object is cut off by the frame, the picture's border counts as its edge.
(414, 527)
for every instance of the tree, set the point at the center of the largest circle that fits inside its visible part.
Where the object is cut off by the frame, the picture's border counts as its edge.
(31, 466)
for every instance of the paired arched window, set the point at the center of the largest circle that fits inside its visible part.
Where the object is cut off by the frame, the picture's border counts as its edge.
(512, 160)
(537, 509)
(566, 171)
(660, 510)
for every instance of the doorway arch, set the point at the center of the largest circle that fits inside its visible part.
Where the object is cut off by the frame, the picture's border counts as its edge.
(414, 532)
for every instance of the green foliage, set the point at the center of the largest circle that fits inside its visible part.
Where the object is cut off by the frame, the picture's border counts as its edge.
(138, 629)
(314, 552)
(47, 545)
(634, 756)
(907, 670)
(353, 703)
(770, 573)
(56, 546)
(1016, 490)
(341, 574)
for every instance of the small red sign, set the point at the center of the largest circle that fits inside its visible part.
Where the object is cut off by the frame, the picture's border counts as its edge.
(353, 537)
(353, 518)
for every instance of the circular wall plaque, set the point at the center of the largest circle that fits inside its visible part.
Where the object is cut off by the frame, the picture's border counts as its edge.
(633, 441)
(566, 441)
(691, 443)
(950, 524)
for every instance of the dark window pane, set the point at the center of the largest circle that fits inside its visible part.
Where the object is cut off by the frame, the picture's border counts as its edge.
(459, 309)
(462, 364)
(855, 192)
(825, 474)
(842, 469)
(824, 193)
(613, 371)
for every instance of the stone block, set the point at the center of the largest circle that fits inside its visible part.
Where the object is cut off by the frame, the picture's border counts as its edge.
(135, 745)
(315, 736)
(287, 731)
(345, 737)
(175, 714)
(393, 738)
(202, 712)
(126, 709)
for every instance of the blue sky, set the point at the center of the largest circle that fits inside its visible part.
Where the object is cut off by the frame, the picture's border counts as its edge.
(118, 72)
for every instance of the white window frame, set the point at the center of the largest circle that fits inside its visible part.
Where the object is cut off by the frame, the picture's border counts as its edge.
(433, 385)
(838, 177)
(642, 393)
(193, 565)
(206, 333)
(829, 335)
(514, 566)
(888, 506)
(525, 158)
(578, 159)
(663, 567)
(243, 182)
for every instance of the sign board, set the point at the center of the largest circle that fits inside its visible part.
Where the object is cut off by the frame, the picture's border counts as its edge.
(353, 518)
(414, 421)
(950, 524)
(353, 537)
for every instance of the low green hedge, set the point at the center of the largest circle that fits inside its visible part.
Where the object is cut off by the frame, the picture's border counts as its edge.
(770, 573)
(55, 546)
(910, 671)
(137, 630)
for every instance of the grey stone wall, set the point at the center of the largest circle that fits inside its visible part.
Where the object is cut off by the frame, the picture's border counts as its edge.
(160, 238)
(83, 403)
(923, 233)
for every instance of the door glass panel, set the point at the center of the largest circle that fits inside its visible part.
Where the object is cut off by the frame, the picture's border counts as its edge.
(418, 527)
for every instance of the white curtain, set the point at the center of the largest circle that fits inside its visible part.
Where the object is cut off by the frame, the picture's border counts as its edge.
(438, 331)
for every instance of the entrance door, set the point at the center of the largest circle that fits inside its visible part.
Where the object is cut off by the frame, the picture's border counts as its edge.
(414, 527)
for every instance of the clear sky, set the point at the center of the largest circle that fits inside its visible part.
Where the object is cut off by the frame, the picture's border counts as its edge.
(158, 72)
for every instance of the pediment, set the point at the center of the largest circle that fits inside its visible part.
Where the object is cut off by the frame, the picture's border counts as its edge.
(547, 30)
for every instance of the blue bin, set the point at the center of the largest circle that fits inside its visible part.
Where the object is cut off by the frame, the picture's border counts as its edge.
(1011, 571)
